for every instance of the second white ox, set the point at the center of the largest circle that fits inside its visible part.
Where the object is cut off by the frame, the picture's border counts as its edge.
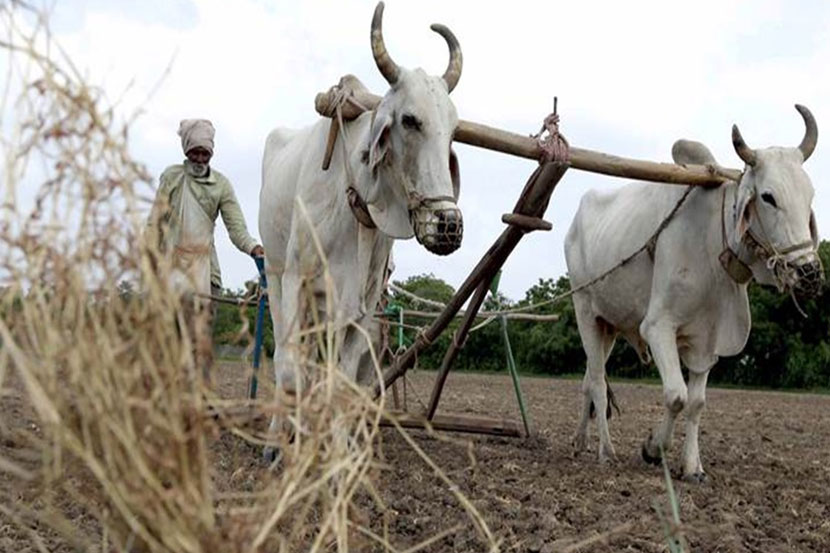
(687, 301)
(396, 173)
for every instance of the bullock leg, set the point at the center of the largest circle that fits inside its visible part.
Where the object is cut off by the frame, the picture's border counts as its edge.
(275, 307)
(355, 355)
(365, 370)
(662, 339)
(692, 468)
(285, 303)
(598, 341)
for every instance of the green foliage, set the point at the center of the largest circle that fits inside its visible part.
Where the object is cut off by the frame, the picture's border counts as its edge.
(785, 349)
(228, 327)
(548, 348)
(429, 287)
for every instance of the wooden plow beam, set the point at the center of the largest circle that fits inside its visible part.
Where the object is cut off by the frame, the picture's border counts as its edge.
(470, 424)
(527, 216)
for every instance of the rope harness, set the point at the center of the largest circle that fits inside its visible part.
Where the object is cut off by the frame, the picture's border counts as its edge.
(763, 248)
(355, 200)
(554, 145)
(729, 260)
(776, 260)
(415, 200)
(649, 246)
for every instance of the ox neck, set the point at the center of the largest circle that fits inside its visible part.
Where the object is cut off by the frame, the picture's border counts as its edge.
(355, 193)
(354, 166)
(736, 258)
(361, 176)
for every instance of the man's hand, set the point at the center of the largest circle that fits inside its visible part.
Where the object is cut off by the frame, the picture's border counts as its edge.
(258, 251)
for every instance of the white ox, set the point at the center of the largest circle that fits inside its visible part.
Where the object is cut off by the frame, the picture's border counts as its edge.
(399, 165)
(680, 303)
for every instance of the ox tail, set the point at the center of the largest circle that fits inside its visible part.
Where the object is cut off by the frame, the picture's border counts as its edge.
(612, 402)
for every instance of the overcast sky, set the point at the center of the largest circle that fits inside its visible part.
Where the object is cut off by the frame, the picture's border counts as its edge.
(631, 78)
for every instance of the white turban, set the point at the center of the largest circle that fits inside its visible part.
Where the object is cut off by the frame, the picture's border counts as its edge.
(196, 133)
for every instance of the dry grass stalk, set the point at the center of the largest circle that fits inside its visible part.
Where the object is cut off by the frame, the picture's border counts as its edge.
(109, 448)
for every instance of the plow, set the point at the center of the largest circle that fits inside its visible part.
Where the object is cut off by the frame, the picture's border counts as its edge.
(348, 100)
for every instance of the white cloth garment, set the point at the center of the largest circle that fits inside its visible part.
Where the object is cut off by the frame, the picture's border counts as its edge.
(191, 255)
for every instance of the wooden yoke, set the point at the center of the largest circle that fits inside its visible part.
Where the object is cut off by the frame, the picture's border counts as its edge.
(476, 134)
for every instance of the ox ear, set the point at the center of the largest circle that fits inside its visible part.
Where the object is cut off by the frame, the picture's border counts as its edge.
(743, 205)
(455, 175)
(387, 204)
(381, 129)
(813, 229)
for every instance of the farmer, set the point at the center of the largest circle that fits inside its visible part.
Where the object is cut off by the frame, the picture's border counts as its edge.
(181, 223)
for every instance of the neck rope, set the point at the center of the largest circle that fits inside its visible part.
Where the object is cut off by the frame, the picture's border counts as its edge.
(760, 247)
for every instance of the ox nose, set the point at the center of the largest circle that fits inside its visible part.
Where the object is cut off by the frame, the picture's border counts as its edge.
(810, 279)
(443, 232)
(449, 231)
(450, 225)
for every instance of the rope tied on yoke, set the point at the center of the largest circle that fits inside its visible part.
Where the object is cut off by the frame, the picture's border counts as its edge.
(342, 96)
(554, 146)
(777, 261)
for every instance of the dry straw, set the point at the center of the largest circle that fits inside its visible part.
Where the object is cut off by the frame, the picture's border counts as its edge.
(106, 436)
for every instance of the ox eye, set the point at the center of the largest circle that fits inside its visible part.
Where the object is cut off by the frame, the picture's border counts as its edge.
(767, 197)
(411, 122)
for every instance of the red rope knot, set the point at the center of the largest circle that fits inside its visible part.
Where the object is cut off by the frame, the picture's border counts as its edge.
(554, 146)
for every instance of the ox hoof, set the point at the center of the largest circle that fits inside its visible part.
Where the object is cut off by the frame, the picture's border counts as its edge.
(607, 456)
(648, 457)
(695, 478)
(608, 460)
(579, 443)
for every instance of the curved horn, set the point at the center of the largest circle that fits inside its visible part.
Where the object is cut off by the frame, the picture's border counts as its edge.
(808, 143)
(388, 68)
(453, 72)
(745, 152)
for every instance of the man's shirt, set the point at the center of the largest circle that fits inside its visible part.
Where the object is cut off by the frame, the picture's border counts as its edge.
(215, 194)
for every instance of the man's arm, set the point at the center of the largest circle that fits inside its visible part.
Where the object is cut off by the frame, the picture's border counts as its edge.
(235, 222)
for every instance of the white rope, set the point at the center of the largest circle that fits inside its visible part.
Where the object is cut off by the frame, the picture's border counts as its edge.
(652, 240)
(432, 303)
(480, 315)
(479, 326)
(538, 317)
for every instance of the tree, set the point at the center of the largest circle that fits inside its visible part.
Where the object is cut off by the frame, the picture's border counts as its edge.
(426, 286)
(228, 321)
(429, 287)
(785, 349)
(548, 348)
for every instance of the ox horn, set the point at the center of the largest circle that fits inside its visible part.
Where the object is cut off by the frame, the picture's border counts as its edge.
(808, 143)
(453, 72)
(745, 152)
(388, 68)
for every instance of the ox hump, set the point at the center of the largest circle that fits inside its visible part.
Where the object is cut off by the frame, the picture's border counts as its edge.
(691, 152)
